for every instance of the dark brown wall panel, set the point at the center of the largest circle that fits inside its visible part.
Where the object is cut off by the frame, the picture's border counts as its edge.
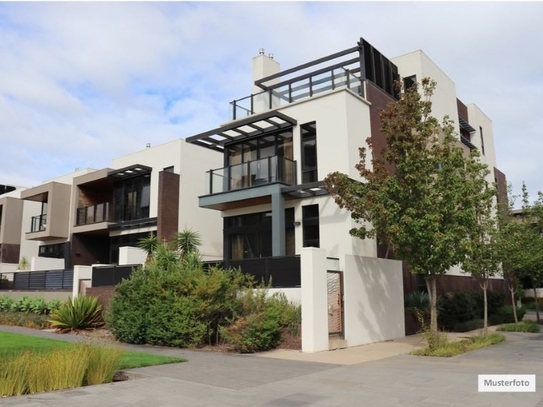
(9, 253)
(501, 184)
(168, 205)
(462, 110)
(379, 101)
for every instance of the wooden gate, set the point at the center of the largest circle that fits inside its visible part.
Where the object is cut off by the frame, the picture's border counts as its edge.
(335, 302)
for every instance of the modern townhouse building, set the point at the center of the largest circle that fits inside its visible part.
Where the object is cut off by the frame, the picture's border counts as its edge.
(263, 205)
(301, 124)
(297, 126)
(84, 218)
(14, 218)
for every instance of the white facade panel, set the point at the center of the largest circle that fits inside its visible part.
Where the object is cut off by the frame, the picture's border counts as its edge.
(373, 300)
(444, 97)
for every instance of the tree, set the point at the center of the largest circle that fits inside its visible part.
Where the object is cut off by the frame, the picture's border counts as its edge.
(481, 246)
(415, 191)
(509, 246)
(531, 227)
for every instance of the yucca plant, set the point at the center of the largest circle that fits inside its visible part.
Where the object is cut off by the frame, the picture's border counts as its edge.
(82, 312)
(187, 241)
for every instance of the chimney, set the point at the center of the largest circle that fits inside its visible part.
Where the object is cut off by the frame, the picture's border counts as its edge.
(264, 65)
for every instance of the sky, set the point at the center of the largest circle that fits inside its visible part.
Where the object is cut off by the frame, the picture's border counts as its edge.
(84, 83)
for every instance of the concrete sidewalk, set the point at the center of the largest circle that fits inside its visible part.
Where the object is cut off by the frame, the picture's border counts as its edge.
(346, 356)
(217, 379)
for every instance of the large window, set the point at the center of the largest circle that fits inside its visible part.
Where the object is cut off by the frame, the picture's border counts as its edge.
(131, 198)
(279, 144)
(250, 236)
(310, 222)
(55, 251)
(309, 153)
(260, 161)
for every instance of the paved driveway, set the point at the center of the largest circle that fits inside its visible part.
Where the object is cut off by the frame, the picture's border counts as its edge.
(211, 379)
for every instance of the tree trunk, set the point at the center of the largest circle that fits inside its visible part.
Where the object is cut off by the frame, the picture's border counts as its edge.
(432, 292)
(536, 302)
(484, 286)
(512, 289)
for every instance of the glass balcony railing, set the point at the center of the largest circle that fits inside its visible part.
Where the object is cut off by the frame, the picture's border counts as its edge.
(250, 174)
(292, 91)
(93, 214)
(38, 223)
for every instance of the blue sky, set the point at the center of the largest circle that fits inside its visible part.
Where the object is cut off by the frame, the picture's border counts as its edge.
(83, 83)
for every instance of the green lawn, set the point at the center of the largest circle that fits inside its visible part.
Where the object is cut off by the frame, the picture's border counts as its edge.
(13, 344)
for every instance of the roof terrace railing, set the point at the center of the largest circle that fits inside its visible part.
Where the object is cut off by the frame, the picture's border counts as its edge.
(297, 89)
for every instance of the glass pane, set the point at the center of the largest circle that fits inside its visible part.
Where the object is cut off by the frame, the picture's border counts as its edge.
(234, 154)
(249, 151)
(267, 146)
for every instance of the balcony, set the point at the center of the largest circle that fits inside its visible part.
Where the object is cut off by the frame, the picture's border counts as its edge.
(38, 223)
(93, 214)
(300, 88)
(265, 171)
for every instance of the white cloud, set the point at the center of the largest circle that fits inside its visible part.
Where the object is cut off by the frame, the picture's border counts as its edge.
(82, 83)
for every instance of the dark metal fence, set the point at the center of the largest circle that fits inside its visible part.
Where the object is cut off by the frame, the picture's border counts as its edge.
(37, 280)
(110, 275)
(279, 272)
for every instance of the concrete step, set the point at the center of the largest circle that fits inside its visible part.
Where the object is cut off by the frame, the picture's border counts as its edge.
(336, 343)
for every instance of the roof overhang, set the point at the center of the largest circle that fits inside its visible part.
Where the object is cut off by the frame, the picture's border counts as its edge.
(130, 171)
(239, 130)
(305, 190)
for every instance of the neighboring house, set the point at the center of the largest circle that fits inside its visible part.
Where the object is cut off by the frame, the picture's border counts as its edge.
(14, 218)
(301, 124)
(84, 218)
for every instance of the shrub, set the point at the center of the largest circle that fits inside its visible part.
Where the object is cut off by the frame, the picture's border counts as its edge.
(505, 315)
(28, 320)
(526, 326)
(23, 304)
(469, 325)
(80, 313)
(178, 303)
(495, 300)
(258, 328)
(6, 303)
(35, 305)
(183, 306)
(38, 306)
(464, 306)
(448, 349)
(53, 305)
(418, 300)
(457, 307)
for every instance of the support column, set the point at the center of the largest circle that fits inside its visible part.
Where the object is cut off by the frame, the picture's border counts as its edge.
(278, 224)
(314, 300)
